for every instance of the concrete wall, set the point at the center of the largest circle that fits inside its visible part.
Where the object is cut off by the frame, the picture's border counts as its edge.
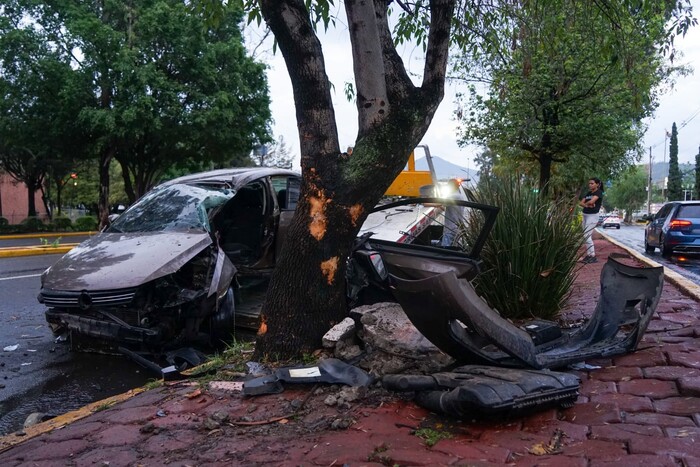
(13, 200)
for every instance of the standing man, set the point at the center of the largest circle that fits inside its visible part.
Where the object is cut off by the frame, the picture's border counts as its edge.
(591, 203)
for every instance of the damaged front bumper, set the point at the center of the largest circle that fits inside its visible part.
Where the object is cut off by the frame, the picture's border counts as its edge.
(114, 330)
(448, 311)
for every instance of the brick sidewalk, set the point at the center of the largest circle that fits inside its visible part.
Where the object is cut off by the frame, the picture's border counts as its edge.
(641, 408)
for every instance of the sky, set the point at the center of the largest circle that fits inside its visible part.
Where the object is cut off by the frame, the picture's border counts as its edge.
(680, 104)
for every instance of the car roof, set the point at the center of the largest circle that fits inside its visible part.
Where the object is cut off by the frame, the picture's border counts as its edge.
(238, 176)
(684, 203)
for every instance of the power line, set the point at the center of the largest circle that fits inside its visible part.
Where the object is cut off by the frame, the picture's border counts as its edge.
(683, 124)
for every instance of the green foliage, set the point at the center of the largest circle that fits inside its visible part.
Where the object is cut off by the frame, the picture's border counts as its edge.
(4, 221)
(86, 224)
(628, 191)
(696, 191)
(62, 223)
(530, 256)
(431, 436)
(675, 178)
(154, 84)
(32, 224)
(566, 88)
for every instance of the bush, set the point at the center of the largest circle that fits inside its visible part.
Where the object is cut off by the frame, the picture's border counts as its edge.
(529, 259)
(62, 223)
(32, 224)
(4, 222)
(85, 223)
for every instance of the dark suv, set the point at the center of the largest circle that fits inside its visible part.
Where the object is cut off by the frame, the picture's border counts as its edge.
(676, 227)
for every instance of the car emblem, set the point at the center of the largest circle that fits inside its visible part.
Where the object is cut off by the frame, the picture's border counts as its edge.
(84, 300)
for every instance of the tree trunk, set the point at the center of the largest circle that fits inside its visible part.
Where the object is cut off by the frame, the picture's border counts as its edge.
(31, 204)
(103, 202)
(307, 292)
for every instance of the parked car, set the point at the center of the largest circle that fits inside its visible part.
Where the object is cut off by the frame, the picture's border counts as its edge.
(170, 268)
(611, 220)
(676, 227)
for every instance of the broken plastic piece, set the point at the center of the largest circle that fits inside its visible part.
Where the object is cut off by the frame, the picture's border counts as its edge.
(11, 348)
(330, 370)
(448, 311)
(473, 391)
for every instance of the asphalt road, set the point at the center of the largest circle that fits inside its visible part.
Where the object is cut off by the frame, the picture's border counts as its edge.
(36, 373)
(687, 265)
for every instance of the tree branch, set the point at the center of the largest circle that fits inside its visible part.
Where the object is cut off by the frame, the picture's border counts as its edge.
(368, 64)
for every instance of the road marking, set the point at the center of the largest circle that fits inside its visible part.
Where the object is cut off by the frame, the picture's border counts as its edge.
(19, 277)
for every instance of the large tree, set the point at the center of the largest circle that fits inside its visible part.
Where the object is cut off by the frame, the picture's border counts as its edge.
(164, 86)
(696, 185)
(628, 191)
(307, 292)
(568, 82)
(675, 178)
(39, 135)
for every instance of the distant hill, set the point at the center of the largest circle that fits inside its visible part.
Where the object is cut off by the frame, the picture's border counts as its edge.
(659, 170)
(445, 169)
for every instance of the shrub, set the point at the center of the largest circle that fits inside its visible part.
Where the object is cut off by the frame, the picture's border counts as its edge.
(86, 223)
(4, 222)
(529, 260)
(32, 224)
(62, 223)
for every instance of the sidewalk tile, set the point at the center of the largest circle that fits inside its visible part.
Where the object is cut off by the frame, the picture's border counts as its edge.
(654, 388)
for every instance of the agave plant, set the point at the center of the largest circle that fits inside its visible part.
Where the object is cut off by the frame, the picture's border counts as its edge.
(529, 261)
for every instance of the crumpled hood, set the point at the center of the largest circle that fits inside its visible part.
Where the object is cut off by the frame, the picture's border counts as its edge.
(119, 260)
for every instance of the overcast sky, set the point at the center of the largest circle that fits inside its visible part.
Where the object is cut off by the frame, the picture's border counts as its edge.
(680, 105)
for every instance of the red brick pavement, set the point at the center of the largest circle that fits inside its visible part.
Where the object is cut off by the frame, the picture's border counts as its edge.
(637, 409)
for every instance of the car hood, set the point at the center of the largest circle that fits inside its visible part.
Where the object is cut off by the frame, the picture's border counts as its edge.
(120, 260)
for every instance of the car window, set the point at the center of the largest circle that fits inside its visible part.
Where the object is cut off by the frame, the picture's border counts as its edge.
(692, 210)
(663, 212)
(173, 208)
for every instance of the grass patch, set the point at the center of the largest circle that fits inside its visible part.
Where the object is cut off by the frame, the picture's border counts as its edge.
(431, 437)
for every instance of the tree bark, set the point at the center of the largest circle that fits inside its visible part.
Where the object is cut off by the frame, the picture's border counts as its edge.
(307, 293)
(103, 202)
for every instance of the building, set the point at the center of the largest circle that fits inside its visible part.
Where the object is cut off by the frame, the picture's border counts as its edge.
(13, 200)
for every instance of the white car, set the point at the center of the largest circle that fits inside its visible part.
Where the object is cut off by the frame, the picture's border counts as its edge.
(611, 221)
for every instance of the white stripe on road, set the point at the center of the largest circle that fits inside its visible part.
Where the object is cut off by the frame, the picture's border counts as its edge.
(19, 277)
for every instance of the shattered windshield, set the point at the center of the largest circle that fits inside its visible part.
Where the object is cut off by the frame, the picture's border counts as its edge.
(174, 208)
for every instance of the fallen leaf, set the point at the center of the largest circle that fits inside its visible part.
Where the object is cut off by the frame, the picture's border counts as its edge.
(194, 394)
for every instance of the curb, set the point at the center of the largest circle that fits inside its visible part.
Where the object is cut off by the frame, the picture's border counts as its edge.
(8, 441)
(36, 250)
(686, 286)
(46, 235)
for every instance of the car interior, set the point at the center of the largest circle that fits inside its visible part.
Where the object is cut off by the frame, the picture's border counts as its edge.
(241, 222)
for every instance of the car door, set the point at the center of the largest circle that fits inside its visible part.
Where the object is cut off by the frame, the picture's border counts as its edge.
(287, 190)
(654, 228)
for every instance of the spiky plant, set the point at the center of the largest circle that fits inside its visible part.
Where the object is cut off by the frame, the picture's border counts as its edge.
(529, 260)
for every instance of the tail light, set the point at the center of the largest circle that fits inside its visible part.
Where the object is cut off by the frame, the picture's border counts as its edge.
(679, 224)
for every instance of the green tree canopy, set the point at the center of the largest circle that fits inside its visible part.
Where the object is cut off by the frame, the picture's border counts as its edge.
(161, 86)
(568, 82)
(675, 178)
(628, 191)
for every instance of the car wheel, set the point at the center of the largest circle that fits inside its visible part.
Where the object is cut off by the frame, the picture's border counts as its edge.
(648, 248)
(663, 248)
(617, 226)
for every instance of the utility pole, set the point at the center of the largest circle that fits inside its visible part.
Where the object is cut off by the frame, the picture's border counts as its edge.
(649, 186)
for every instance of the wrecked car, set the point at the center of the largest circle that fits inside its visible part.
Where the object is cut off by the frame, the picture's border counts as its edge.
(185, 263)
